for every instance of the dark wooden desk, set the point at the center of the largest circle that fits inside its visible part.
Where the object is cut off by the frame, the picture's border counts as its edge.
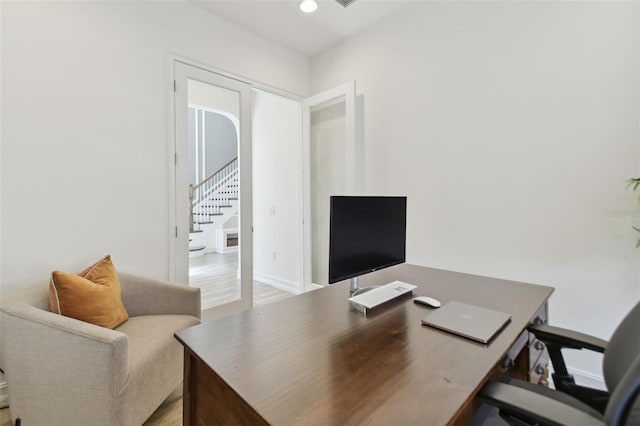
(313, 359)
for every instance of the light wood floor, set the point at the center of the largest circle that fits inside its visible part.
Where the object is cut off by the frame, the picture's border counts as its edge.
(217, 277)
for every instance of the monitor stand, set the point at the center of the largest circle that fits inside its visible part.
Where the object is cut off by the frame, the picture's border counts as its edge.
(354, 290)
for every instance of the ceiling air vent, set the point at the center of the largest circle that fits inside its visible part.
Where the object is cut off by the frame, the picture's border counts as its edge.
(345, 3)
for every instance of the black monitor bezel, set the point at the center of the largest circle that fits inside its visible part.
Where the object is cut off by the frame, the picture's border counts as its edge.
(354, 274)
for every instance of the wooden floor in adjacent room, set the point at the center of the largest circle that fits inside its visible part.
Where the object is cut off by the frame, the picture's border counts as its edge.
(217, 276)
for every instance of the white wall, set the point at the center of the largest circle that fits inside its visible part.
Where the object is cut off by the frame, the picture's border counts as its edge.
(277, 190)
(85, 152)
(512, 127)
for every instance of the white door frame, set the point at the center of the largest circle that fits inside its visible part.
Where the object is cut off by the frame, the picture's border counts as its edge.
(346, 91)
(181, 71)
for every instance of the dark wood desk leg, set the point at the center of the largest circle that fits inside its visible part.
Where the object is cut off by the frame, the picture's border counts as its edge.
(207, 400)
(186, 390)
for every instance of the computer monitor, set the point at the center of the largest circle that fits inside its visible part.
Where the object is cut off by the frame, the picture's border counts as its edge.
(365, 234)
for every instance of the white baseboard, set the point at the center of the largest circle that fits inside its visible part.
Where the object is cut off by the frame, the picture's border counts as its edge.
(584, 378)
(290, 286)
(313, 286)
(587, 379)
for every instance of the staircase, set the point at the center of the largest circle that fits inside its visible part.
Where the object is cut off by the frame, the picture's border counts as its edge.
(213, 202)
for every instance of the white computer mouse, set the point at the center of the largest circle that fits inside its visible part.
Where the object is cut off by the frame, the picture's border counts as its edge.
(428, 301)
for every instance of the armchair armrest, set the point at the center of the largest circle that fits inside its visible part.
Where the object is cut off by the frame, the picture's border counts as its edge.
(54, 359)
(524, 403)
(567, 338)
(148, 296)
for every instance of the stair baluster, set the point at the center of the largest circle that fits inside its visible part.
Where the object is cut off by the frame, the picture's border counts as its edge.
(213, 193)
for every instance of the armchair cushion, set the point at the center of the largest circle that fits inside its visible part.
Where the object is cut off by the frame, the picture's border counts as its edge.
(92, 296)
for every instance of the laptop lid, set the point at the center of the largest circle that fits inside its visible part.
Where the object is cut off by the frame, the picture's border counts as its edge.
(470, 321)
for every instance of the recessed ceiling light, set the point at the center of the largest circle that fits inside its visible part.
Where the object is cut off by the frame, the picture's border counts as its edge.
(308, 6)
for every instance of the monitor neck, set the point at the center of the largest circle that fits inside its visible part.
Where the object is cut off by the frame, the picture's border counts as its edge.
(353, 285)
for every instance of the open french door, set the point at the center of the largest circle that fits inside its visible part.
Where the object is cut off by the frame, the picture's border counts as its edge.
(211, 93)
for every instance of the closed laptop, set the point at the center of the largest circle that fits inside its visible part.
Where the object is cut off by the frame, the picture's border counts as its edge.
(470, 321)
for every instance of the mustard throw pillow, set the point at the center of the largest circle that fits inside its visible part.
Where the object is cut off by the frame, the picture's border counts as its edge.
(92, 296)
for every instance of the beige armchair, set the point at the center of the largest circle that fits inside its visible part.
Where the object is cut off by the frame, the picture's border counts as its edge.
(62, 371)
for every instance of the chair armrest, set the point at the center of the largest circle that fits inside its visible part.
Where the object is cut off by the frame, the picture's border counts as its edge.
(40, 349)
(519, 401)
(556, 339)
(567, 338)
(148, 296)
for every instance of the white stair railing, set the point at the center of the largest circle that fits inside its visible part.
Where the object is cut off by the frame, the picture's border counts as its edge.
(212, 194)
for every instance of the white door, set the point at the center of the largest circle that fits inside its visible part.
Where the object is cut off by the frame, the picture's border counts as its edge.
(276, 124)
(220, 227)
(330, 168)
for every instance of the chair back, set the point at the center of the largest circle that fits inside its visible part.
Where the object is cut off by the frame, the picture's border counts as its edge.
(624, 403)
(621, 368)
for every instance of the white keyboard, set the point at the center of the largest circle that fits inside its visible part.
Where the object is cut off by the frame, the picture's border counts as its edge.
(382, 294)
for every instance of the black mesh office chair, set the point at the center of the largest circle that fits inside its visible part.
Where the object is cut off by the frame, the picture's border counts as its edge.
(524, 403)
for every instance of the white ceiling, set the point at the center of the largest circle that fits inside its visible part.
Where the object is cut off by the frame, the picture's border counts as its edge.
(283, 22)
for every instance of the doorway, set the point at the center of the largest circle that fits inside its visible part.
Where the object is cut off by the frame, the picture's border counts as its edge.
(213, 137)
(329, 156)
(282, 192)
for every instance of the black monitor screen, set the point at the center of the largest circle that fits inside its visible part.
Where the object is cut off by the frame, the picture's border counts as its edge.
(365, 234)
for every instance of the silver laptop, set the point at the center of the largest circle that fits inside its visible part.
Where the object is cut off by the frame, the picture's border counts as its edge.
(472, 322)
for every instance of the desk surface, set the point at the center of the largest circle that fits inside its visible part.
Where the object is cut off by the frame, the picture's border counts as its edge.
(313, 359)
